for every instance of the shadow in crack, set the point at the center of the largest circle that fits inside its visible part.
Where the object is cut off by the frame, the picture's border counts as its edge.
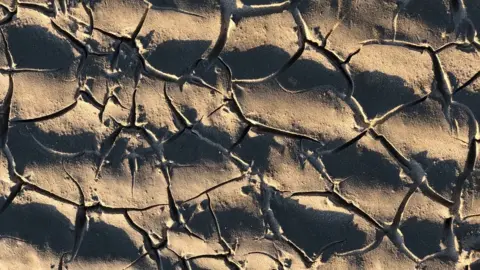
(422, 237)
(50, 229)
(468, 234)
(473, 9)
(475, 265)
(202, 222)
(367, 166)
(371, 93)
(257, 62)
(312, 229)
(234, 222)
(441, 173)
(51, 232)
(305, 74)
(147, 39)
(471, 98)
(104, 241)
(116, 157)
(20, 141)
(308, 6)
(190, 149)
(159, 131)
(200, 149)
(175, 56)
(256, 147)
(190, 113)
(430, 12)
(453, 79)
(221, 137)
(36, 47)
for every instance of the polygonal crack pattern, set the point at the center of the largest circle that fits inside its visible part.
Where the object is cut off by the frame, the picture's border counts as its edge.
(184, 170)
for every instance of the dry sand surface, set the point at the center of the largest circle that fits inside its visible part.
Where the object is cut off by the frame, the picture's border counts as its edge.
(254, 134)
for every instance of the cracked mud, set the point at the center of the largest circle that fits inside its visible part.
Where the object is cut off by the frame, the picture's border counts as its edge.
(230, 134)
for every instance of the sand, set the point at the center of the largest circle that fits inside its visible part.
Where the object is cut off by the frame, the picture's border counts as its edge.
(247, 134)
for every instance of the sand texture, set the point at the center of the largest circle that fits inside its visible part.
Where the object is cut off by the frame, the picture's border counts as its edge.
(228, 134)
